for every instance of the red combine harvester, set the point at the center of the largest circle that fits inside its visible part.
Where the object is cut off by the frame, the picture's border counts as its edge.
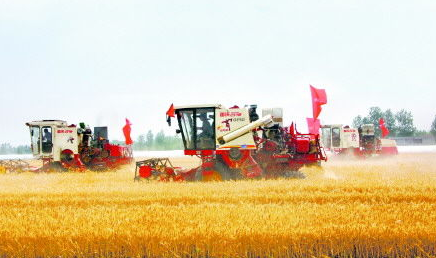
(235, 143)
(67, 147)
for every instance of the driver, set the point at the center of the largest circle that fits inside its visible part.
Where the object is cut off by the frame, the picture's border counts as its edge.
(205, 138)
(47, 136)
(206, 128)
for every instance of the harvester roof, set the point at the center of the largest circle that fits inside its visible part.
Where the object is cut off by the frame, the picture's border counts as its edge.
(200, 106)
(48, 122)
(332, 125)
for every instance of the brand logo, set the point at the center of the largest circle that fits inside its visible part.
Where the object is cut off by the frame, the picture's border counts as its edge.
(354, 137)
(231, 114)
(227, 123)
(64, 131)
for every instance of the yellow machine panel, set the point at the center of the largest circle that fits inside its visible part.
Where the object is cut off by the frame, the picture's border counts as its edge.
(229, 120)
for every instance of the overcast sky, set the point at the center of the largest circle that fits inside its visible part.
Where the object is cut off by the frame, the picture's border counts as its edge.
(102, 61)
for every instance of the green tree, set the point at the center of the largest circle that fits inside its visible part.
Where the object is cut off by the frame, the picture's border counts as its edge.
(149, 140)
(174, 142)
(405, 125)
(390, 122)
(399, 124)
(433, 128)
(6, 148)
(160, 140)
(421, 133)
(357, 121)
(375, 113)
(140, 142)
(22, 149)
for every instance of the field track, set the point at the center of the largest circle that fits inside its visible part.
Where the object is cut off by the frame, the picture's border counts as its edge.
(364, 208)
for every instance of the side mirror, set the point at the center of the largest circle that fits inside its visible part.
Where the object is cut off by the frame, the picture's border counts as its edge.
(178, 131)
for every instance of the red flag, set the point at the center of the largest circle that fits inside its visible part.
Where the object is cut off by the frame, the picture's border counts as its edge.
(313, 125)
(319, 97)
(126, 131)
(171, 111)
(383, 128)
(292, 129)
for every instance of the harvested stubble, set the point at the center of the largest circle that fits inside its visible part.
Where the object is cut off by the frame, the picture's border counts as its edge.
(352, 208)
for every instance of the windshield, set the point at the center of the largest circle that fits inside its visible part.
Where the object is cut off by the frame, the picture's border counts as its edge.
(35, 139)
(326, 137)
(336, 137)
(198, 128)
(187, 125)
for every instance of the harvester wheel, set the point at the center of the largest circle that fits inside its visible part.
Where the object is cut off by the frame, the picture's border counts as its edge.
(57, 166)
(223, 170)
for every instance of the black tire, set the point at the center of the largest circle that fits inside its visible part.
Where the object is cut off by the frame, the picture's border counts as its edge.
(57, 166)
(224, 170)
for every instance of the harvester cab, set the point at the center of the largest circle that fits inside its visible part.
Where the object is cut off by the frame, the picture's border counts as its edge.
(338, 138)
(212, 127)
(53, 139)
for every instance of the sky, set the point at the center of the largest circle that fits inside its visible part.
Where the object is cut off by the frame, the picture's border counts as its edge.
(102, 61)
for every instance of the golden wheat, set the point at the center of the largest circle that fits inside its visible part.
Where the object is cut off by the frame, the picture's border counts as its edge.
(363, 208)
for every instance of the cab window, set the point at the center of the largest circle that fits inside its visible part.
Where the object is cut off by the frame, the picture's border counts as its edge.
(205, 139)
(35, 139)
(47, 139)
(326, 137)
(186, 123)
(336, 137)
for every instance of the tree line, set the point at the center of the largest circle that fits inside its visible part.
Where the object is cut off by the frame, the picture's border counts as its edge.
(148, 141)
(399, 124)
(158, 141)
(7, 148)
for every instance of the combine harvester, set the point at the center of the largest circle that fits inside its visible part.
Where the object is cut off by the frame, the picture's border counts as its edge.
(362, 142)
(63, 147)
(235, 143)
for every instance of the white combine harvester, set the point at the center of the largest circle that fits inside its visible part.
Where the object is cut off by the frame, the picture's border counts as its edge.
(63, 146)
(362, 142)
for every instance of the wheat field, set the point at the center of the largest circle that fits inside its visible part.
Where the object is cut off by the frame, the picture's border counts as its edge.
(351, 208)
